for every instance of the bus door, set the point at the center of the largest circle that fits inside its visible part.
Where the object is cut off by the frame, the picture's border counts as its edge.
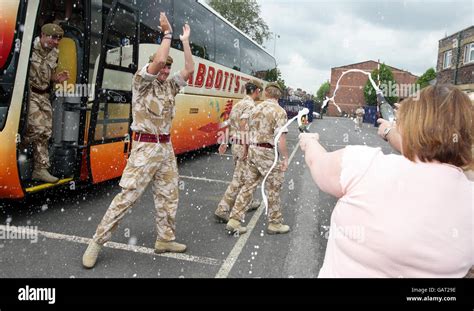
(109, 131)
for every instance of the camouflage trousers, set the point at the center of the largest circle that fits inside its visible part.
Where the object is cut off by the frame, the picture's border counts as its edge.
(259, 163)
(39, 128)
(358, 122)
(148, 162)
(228, 200)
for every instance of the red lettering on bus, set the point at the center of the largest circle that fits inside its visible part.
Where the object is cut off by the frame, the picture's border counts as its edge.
(244, 82)
(237, 84)
(231, 81)
(199, 82)
(210, 77)
(226, 76)
(219, 77)
(191, 79)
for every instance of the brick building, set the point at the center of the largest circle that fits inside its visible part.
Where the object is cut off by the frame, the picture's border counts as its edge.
(456, 59)
(351, 87)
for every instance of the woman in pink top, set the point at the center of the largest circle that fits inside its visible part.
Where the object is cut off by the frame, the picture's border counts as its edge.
(405, 216)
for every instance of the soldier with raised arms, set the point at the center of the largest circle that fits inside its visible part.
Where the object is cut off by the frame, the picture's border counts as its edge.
(152, 159)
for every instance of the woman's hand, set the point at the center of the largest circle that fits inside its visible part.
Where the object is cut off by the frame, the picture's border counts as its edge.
(384, 124)
(306, 138)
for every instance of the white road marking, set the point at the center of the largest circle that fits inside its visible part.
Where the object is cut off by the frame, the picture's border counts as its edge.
(205, 179)
(293, 154)
(222, 155)
(28, 231)
(239, 246)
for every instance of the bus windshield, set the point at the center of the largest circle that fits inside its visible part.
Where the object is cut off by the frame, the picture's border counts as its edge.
(8, 20)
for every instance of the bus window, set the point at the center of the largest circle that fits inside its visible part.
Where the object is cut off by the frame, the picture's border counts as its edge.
(202, 28)
(249, 51)
(265, 64)
(121, 34)
(228, 41)
(8, 59)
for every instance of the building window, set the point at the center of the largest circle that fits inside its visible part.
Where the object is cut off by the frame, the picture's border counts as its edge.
(447, 59)
(469, 53)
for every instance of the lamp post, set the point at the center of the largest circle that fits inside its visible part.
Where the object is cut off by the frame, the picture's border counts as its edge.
(275, 44)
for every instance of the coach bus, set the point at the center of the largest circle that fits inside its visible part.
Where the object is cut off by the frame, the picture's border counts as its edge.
(105, 43)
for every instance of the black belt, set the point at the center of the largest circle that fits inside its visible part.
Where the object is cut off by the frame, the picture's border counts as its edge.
(40, 91)
(264, 145)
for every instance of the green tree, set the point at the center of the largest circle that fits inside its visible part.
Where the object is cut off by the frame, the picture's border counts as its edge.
(387, 85)
(323, 91)
(245, 15)
(274, 75)
(425, 79)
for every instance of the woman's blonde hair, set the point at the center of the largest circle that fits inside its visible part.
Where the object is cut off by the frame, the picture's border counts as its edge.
(437, 126)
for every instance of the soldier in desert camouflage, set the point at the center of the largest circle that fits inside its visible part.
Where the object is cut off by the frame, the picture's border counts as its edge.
(266, 120)
(152, 158)
(359, 118)
(44, 59)
(239, 137)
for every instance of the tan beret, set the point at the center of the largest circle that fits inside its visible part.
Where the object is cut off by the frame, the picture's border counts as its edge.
(256, 83)
(274, 84)
(169, 60)
(52, 30)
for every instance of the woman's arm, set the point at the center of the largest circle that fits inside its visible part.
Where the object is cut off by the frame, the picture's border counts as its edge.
(325, 167)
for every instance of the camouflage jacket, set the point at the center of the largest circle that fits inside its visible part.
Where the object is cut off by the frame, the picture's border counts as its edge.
(266, 119)
(43, 64)
(153, 103)
(239, 112)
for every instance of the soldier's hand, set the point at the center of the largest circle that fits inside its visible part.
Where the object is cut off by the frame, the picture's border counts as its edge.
(62, 76)
(186, 33)
(222, 149)
(284, 165)
(245, 156)
(165, 23)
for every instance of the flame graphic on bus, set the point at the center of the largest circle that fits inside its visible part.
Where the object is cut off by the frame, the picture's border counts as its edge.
(224, 117)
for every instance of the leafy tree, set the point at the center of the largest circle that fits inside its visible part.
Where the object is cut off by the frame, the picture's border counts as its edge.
(425, 79)
(274, 75)
(387, 85)
(323, 91)
(245, 15)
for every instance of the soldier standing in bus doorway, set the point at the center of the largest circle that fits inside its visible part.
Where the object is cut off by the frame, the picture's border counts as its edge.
(152, 158)
(238, 137)
(266, 120)
(44, 59)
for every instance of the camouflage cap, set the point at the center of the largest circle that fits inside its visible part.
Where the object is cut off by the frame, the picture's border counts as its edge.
(256, 83)
(169, 60)
(52, 30)
(275, 85)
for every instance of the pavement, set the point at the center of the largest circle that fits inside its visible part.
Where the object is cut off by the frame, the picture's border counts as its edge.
(48, 233)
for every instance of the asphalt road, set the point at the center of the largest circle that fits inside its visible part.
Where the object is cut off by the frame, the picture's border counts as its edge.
(64, 220)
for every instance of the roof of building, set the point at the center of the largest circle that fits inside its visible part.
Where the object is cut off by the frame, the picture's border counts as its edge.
(453, 34)
(372, 61)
